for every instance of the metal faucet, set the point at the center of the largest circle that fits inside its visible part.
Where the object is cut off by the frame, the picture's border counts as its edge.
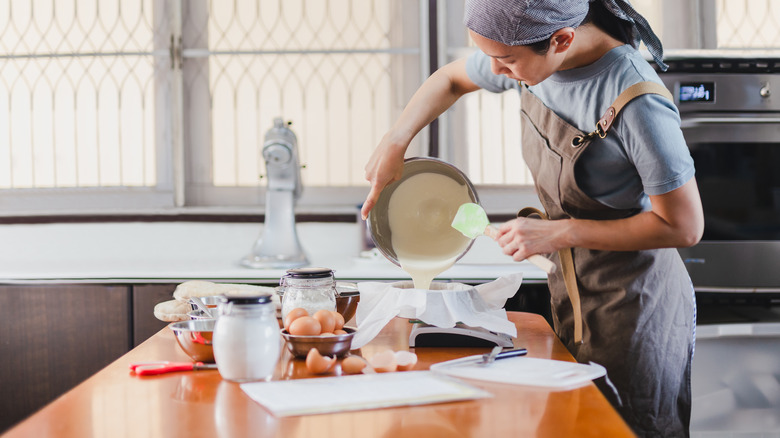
(278, 246)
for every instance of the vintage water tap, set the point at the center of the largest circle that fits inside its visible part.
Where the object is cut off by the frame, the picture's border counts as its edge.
(278, 246)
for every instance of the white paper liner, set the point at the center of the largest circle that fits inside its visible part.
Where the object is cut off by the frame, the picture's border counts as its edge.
(442, 306)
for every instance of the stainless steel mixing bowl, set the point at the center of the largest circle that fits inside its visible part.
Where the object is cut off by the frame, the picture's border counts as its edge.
(378, 218)
(194, 337)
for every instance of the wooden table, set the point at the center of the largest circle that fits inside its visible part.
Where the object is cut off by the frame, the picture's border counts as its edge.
(115, 403)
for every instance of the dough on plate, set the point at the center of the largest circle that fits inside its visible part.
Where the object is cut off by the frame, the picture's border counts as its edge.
(172, 311)
(202, 288)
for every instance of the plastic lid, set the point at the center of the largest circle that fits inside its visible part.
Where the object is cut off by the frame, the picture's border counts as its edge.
(256, 299)
(309, 273)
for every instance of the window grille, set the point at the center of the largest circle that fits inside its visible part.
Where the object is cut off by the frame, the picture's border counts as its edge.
(150, 104)
(748, 24)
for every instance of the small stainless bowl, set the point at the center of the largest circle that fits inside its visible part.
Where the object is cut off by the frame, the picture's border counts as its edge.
(194, 337)
(211, 302)
(337, 345)
(347, 299)
(346, 304)
(199, 314)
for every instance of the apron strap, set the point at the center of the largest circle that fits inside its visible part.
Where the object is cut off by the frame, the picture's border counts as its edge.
(629, 94)
(569, 276)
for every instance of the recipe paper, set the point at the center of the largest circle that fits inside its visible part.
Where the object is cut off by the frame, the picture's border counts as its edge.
(358, 392)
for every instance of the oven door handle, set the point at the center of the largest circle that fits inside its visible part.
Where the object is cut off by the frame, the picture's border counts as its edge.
(699, 121)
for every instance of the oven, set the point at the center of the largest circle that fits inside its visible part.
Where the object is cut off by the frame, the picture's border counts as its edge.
(730, 117)
(730, 112)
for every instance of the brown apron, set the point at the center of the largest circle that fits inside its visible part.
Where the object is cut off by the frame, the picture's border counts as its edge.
(637, 307)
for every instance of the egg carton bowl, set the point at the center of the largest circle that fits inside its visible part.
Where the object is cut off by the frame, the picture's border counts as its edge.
(194, 337)
(336, 345)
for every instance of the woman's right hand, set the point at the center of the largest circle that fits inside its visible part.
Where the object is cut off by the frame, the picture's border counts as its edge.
(385, 166)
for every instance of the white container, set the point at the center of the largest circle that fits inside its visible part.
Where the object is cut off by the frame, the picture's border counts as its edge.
(246, 340)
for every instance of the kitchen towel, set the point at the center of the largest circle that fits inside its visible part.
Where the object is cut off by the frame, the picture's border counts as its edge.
(442, 306)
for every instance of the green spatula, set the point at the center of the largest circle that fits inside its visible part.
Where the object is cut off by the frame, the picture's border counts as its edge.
(472, 221)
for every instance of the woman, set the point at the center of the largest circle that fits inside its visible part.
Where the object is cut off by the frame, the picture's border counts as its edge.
(619, 199)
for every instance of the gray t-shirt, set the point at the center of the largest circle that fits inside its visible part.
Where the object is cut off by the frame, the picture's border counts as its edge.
(645, 152)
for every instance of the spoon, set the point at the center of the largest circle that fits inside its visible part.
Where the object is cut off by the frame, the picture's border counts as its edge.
(204, 308)
(472, 221)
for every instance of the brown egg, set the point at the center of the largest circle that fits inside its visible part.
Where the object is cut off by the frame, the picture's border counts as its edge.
(353, 365)
(339, 332)
(305, 326)
(326, 319)
(406, 360)
(294, 314)
(317, 363)
(383, 362)
(339, 320)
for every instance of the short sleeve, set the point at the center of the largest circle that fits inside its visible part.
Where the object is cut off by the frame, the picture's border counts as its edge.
(478, 70)
(655, 144)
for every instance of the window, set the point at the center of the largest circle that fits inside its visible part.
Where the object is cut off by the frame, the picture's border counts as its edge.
(139, 105)
(152, 105)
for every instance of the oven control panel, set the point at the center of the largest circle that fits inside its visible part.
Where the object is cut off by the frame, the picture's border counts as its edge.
(724, 84)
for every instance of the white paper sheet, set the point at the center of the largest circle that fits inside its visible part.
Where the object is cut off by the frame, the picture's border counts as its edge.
(523, 370)
(442, 306)
(358, 392)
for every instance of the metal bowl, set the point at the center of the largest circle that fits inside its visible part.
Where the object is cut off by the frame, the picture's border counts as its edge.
(211, 302)
(194, 337)
(199, 314)
(378, 218)
(337, 345)
(347, 300)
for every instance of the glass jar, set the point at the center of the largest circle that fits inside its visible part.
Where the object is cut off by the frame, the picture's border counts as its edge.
(247, 342)
(312, 289)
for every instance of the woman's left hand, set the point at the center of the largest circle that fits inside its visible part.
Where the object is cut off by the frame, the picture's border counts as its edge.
(523, 237)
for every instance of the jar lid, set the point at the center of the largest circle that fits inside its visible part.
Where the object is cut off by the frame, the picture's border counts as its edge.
(243, 299)
(309, 273)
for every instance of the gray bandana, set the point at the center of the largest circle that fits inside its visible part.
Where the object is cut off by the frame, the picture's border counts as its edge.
(523, 22)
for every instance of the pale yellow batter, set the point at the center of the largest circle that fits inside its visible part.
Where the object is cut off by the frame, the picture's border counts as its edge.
(420, 214)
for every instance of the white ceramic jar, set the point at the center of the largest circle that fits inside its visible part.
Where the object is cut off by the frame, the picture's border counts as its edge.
(312, 289)
(246, 340)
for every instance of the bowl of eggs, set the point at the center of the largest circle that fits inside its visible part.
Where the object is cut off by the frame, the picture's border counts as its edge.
(324, 331)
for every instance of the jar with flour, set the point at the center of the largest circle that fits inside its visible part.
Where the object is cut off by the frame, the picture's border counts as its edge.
(311, 289)
(246, 340)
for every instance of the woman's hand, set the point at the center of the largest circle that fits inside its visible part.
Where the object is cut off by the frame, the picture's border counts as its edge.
(675, 221)
(385, 166)
(523, 237)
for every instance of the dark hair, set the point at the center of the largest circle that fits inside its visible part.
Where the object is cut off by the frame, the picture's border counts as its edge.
(601, 17)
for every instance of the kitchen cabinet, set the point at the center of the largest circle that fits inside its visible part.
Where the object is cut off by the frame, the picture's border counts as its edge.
(54, 337)
(145, 297)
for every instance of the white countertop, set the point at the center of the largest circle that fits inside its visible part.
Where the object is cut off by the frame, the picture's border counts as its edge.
(133, 252)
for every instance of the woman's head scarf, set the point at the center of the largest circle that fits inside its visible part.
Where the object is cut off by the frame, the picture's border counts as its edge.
(523, 22)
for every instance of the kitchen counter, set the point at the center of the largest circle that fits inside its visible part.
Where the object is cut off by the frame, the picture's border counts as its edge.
(186, 404)
(175, 251)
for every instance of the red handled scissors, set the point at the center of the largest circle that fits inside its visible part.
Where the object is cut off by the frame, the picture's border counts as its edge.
(152, 368)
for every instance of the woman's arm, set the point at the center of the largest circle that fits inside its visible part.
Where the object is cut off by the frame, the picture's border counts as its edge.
(440, 91)
(675, 221)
